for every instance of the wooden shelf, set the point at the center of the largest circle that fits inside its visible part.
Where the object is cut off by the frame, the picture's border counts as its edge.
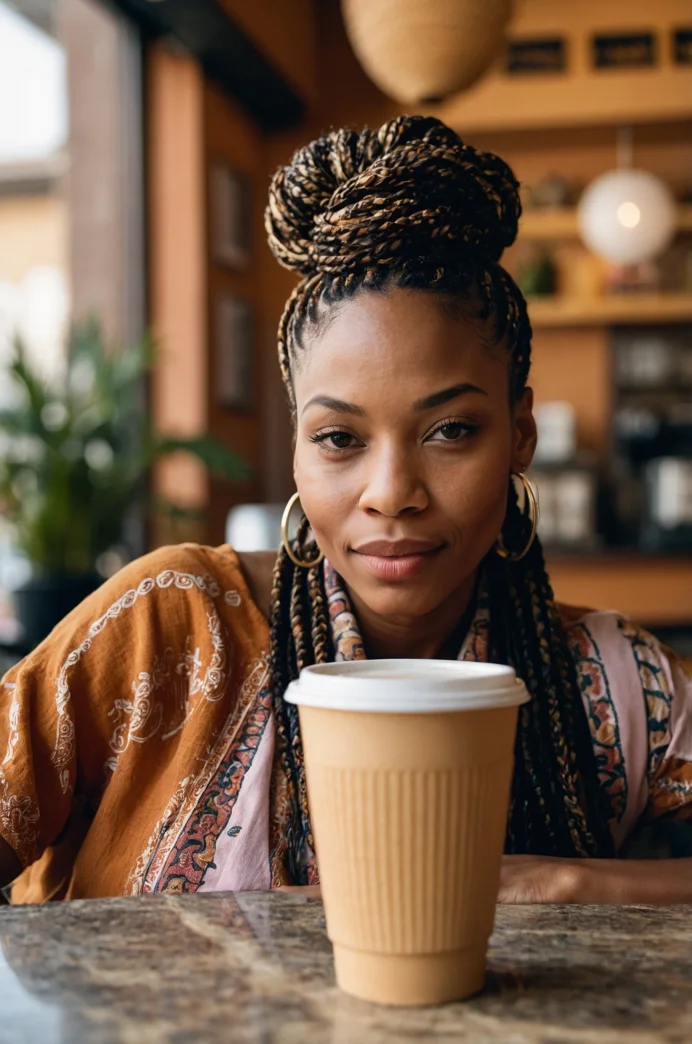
(549, 223)
(616, 308)
(561, 223)
(653, 590)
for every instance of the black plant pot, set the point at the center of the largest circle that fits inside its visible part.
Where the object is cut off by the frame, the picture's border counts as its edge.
(43, 601)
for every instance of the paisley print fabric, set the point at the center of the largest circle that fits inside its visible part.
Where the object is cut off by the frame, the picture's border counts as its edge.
(137, 742)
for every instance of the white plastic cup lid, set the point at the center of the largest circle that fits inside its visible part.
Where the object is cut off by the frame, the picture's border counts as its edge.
(407, 686)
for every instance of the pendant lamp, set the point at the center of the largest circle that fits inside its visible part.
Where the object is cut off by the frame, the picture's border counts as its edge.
(423, 50)
(627, 216)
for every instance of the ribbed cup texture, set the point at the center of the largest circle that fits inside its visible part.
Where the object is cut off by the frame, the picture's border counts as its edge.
(409, 858)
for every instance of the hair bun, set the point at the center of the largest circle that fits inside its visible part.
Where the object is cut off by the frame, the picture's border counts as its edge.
(351, 201)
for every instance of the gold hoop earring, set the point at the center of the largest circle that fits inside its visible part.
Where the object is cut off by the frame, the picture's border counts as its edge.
(534, 516)
(287, 543)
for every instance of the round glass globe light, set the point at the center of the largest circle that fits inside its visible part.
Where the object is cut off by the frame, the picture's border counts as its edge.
(627, 216)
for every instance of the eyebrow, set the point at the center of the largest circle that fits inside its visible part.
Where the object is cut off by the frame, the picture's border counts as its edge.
(428, 403)
(338, 405)
(441, 397)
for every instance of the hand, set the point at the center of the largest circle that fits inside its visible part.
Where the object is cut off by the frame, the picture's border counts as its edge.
(309, 891)
(539, 879)
(547, 879)
(524, 879)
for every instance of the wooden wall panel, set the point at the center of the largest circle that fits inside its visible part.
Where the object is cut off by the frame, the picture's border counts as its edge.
(177, 268)
(663, 92)
(286, 31)
(192, 126)
(233, 140)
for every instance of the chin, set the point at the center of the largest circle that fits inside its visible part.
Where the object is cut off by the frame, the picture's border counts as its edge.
(387, 602)
(409, 598)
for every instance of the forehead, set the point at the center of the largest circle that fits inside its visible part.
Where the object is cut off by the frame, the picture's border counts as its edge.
(399, 345)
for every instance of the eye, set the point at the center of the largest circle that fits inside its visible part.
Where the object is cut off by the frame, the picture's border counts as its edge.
(335, 440)
(451, 431)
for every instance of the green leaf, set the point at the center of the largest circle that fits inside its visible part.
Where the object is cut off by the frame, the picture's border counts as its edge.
(31, 385)
(65, 511)
(15, 422)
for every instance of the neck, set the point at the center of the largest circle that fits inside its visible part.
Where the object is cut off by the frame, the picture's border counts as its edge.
(415, 637)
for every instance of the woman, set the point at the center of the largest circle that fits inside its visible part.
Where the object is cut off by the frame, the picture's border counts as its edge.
(146, 745)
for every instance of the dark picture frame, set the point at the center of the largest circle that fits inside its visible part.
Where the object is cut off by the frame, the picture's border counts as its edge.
(233, 338)
(541, 55)
(634, 50)
(231, 209)
(682, 46)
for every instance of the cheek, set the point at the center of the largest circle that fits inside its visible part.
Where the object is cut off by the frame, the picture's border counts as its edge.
(327, 499)
(473, 493)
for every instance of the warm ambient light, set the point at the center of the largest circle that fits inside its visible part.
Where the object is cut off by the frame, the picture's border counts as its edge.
(627, 216)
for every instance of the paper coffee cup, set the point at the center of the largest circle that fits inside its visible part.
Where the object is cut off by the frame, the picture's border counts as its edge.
(409, 766)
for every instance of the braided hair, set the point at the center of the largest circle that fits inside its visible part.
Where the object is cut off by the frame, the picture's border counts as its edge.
(412, 206)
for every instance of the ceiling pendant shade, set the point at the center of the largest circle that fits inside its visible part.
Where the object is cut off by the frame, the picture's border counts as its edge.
(424, 50)
(627, 216)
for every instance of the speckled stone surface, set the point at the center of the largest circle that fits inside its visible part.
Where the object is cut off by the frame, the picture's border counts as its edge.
(258, 968)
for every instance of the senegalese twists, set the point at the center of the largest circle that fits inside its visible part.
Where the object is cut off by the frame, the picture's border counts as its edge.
(412, 206)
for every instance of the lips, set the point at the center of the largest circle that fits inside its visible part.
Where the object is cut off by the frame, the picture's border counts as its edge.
(397, 559)
(396, 548)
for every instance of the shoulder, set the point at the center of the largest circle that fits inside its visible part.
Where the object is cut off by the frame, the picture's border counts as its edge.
(613, 638)
(621, 664)
(240, 582)
(629, 684)
(213, 572)
(208, 566)
(181, 588)
(609, 627)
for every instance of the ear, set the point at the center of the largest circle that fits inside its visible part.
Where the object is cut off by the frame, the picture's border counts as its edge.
(524, 433)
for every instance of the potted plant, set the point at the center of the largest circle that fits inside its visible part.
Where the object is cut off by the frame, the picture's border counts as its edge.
(74, 465)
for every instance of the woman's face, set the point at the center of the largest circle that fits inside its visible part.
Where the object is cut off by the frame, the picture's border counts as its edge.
(405, 442)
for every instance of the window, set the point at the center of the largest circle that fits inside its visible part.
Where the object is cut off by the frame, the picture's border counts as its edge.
(71, 188)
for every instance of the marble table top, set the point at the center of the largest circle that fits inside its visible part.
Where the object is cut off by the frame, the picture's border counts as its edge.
(258, 968)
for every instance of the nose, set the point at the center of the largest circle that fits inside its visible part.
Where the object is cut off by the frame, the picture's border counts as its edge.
(394, 485)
